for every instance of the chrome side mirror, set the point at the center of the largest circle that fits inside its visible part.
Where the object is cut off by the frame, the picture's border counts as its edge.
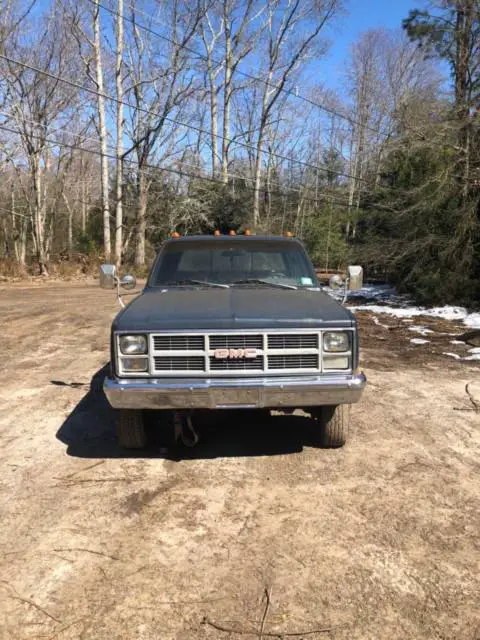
(355, 277)
(336, 282)
(128, 282)
(108, 276)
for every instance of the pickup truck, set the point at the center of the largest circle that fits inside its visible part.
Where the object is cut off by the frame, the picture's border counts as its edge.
(233, 322)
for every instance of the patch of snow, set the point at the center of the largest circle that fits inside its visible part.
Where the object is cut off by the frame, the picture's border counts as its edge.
(419, 329)
(400, 306)
(446, 313)
(474, 350)
(457, 342)
(453, 355)
(419, 341)
(378, 323)
(475, 355)
(473, 320)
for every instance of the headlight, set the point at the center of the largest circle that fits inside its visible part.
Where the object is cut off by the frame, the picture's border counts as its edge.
(132, 365)
(336, 341)
(133, 345)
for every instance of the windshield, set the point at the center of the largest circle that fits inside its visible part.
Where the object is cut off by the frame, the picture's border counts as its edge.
(234, 263)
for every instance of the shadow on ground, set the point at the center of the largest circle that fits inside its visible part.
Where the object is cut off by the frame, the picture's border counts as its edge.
(89, 431)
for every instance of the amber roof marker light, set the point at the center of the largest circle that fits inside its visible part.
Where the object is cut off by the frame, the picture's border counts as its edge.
(247, 232)
(288, 234)
(232, 233)
(175, 234)
(217, 233)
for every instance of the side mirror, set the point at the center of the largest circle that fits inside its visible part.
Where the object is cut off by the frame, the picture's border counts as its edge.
(355, 277)
(128, 282)
(336, 282)
(108, 277)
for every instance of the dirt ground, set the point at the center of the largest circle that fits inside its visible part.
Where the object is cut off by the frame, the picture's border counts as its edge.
(379, 540)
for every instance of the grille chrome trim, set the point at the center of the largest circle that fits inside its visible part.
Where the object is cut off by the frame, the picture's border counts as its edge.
(178, 363)
(293, 341)
(243, 364)
(236, 341)
(179, 342)
(306, 361)
(303, 359)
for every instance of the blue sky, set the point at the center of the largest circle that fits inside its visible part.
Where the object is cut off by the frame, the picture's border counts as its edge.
(361, 15)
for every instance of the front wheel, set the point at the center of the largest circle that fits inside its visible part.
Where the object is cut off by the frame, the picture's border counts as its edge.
(131, 429)
(334, 423)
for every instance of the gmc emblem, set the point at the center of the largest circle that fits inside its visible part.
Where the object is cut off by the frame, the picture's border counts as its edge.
(234, 354)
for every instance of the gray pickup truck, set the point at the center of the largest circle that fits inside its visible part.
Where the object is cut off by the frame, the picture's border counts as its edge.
(233, 322)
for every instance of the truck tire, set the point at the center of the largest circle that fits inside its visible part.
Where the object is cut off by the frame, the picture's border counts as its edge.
(334, 425)
(131, 429)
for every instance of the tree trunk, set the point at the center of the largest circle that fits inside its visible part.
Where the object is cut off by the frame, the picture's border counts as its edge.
(258, 163)
(226, 102)
(22, 245)
(141, 218)
(38, 226)
(119, 159)
(69, 226)
(257, 179)
(102, 131)
(214, 119)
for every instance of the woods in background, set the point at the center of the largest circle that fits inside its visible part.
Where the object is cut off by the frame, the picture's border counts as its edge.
(124, 120)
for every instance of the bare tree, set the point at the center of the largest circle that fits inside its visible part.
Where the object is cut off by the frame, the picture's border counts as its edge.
(102, 128)
(160, 90)
(36, 102)
(285, 54)
(120, 123)
(239, 40)
(211, 31)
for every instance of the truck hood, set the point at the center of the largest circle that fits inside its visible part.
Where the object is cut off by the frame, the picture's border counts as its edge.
(178, 309)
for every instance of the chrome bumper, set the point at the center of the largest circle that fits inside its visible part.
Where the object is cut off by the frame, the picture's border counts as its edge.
(217, 393)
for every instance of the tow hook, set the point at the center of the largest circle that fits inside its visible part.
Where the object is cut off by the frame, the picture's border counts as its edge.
(184, 429)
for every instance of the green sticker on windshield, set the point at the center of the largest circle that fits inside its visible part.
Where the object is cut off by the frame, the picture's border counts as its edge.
(306, 281)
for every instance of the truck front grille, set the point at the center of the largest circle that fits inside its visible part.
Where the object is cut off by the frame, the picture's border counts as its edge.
(236, 354)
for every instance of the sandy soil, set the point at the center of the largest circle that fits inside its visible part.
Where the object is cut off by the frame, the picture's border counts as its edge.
(379, 540)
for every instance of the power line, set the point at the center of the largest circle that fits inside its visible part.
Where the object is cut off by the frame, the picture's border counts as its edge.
(60, 128)
(179, 172)
(77, 85)
(293, 94)
(148, 172)
(245, 74)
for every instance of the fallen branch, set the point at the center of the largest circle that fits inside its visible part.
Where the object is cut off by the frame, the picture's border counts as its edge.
(97, 553)
(90, 466)
(268, 634)
(475, 403)
(36, 606)
(265, 613)
(65, 627)
(93, 480)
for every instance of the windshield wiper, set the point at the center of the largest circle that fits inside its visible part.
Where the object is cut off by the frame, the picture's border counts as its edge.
(282, 285)
(203, 282)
